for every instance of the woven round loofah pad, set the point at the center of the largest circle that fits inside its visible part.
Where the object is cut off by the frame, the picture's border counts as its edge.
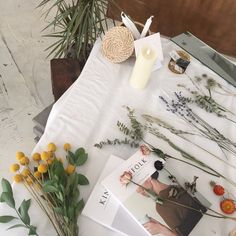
(118, 44)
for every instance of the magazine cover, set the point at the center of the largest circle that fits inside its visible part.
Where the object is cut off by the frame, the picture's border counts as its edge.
(104, 209)
(152, 195)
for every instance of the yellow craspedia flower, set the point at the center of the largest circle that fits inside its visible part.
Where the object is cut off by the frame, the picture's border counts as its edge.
(45, 156)
(36, 157)
(25, 172)
(14, 167)
(29, 180)
(67, 147)
(70, 169)
(42, 168)
(24, 161)
(37, 174)
(52, 147)
(18, 178)
(19, 155)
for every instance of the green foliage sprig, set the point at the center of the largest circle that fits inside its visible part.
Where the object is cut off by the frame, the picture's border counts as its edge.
(206, 101)
(22, 212)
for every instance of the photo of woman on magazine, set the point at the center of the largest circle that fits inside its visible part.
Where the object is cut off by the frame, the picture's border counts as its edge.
(180, 220)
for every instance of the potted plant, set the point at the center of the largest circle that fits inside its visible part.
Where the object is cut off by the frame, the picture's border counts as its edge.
(77, 24)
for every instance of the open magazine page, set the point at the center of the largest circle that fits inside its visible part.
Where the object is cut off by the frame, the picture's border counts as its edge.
(153, 198)
(104, 209)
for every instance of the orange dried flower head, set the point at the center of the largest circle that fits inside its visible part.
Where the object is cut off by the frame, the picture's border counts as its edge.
(24, 161)
(45, 156)
(52, 147)
(126, 178)
(19, 155)
(36, 157)
(14, 167)
(70, 169)
(67, 147)
(18, 178)
(227, 206)
(42, 168)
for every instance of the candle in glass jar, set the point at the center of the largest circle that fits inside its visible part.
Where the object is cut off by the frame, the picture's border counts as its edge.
(143, 67)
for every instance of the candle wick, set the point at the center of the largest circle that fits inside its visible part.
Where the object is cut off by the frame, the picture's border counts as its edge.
(148, 52)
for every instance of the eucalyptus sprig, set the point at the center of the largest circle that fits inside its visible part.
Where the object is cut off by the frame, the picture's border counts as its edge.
(22, 212)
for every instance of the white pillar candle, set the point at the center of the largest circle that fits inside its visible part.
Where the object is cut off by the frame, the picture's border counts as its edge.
(143, 67)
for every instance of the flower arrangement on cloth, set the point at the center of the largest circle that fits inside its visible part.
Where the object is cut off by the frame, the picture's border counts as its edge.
(53, 187)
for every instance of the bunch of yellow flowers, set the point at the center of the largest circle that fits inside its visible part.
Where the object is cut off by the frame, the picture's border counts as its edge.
(51, 182)
(41, 163)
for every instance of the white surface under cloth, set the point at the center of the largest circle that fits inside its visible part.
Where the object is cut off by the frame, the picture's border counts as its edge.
(88, 112)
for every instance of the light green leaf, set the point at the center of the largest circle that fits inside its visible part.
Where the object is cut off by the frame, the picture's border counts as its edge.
(50, 188)
(82, 159)
(82, 180)
(17, 226)
(32, 230)
(79, 151)
(23, 210)
(6, 187)
(71, 158)
(8, 199)
(6, 219)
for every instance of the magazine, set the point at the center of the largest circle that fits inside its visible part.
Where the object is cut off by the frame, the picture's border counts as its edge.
(104, 209)
(155, 199)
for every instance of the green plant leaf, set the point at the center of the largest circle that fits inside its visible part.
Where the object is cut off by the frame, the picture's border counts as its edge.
(17, 226)
(50, 188)
(59, 210)
(23, 210)
(6, 219)
(6, 187)
(82, 180)
(81, 156)
(32, 230)
(8, 199)
(71, 158)
(80, 205)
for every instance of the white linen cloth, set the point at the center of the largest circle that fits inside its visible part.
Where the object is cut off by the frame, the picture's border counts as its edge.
(88, 112)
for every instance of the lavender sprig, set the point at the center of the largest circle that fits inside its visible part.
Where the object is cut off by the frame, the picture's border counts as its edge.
(180, 108)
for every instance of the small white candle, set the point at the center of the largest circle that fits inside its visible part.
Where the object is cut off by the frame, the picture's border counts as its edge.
(143, 67)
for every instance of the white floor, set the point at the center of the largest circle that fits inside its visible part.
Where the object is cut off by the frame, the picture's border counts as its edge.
(25, 86)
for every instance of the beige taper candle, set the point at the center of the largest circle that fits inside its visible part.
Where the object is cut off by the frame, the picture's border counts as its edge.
(143, 67)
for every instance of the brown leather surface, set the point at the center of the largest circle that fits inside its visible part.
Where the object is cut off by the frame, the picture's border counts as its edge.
(64, 72)
(212, 21)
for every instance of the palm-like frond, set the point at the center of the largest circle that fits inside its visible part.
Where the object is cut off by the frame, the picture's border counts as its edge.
(77, 25)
